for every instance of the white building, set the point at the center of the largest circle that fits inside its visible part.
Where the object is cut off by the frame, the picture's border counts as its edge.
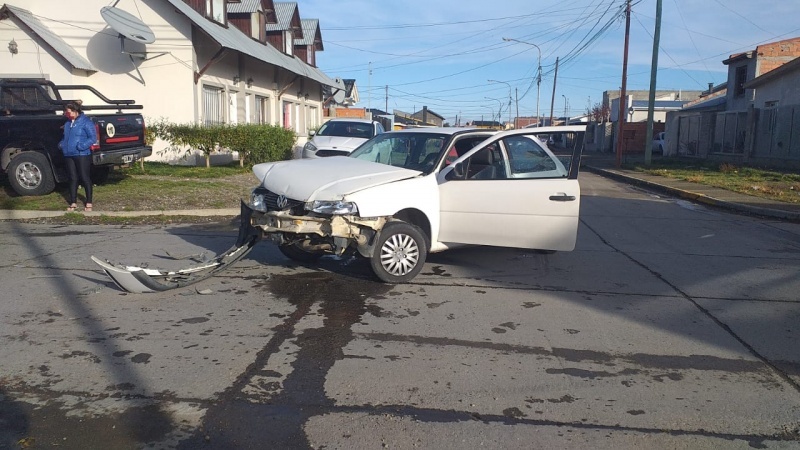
(206, 63)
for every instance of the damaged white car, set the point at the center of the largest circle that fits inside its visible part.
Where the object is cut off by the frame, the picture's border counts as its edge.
(404, 194)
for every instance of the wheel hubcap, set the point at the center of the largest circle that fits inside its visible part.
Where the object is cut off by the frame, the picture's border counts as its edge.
(29, 175)
(399, 254)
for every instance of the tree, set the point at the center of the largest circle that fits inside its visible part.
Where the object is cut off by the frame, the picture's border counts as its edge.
(600, 113)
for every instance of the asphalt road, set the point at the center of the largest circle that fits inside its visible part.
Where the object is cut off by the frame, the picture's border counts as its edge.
(670, 326)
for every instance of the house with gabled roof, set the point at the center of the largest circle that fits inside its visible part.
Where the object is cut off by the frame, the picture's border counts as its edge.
(306, 48)
(287, 29)
(209, 62)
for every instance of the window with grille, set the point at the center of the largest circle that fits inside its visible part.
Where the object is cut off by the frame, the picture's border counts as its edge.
(212, 105)
(741, 78)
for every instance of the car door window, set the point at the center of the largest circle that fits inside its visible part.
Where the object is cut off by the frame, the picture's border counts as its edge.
(487, 163)
(527, 159)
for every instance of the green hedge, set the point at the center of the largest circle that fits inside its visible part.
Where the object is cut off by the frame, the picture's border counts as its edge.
(254, 143)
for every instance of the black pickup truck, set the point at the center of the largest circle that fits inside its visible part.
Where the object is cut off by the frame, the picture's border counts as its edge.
(31, 126)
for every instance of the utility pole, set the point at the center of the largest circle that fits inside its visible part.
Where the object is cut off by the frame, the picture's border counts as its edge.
(538, 79)
(516, 102)
(648, 149)
(623, 94)
(386, 93)
(553, 98)
(369, 87)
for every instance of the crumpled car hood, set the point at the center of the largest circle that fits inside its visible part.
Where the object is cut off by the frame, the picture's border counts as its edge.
(328, 178)
(337, 142)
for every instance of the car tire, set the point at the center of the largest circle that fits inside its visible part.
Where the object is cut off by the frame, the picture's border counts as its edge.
(399, 253)
(29, 173)
(295, 252)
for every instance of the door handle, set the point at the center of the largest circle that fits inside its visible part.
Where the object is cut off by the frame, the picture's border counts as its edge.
(562, 197)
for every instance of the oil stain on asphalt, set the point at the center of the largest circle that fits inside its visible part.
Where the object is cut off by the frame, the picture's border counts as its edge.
(234, 421)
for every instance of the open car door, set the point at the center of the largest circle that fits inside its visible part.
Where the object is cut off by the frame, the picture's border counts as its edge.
(519, 188)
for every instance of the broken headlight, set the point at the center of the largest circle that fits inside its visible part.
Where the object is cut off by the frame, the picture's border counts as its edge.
(258, 199)
(334, 207)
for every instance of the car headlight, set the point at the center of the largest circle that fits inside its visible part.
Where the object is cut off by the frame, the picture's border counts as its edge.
(258, 200)
(310, 147)
(336, 207)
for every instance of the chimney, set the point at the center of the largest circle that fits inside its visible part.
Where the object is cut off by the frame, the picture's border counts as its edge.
(710, 87)
(425, 115)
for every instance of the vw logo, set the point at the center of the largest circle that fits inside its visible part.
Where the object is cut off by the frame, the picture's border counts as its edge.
(281, 201)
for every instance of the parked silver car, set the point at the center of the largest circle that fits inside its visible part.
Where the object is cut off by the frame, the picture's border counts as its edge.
(339, 137)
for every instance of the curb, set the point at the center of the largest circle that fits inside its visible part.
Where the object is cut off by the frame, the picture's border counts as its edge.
(11, 214)
(699, 198)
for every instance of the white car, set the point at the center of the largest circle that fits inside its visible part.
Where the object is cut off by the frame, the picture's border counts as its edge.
(339, 137)
(658, 143)
(405, 194)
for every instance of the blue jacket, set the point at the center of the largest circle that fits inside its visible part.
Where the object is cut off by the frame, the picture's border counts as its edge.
(79, 136)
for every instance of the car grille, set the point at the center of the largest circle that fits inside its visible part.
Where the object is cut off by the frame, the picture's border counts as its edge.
(296, 207)
(332, 152)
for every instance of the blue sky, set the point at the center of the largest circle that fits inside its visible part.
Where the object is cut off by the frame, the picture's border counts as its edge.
(442, 54)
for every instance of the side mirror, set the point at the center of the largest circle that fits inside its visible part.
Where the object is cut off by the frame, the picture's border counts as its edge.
(312, 132)
(455, 172)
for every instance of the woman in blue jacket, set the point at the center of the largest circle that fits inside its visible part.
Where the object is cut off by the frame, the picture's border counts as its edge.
(79, 136)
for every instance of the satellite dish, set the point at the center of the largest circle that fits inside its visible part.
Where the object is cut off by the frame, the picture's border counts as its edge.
(127, 25)
(338, 95)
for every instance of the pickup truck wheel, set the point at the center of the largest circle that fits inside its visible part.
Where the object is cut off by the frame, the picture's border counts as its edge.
(29, 174)
(296, 253)
(400, 253)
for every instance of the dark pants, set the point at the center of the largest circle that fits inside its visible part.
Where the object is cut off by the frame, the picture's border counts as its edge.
(78, 167)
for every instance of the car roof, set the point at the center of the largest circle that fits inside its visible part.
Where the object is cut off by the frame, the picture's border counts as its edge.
(345, 119)
(437, 130)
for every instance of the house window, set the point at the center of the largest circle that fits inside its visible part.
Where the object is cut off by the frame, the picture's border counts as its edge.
(215, 10)
(288, 42)
(287, 115)
(771, 104)
(741, 78)
(312, 117)
(290, 116)
(261, 110)
(212, 105)
(255, 25)
(233, 108)
(248, 100)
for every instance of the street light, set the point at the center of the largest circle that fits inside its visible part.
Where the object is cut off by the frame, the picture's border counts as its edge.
(509, 96)
(538, 75)
(500, 107)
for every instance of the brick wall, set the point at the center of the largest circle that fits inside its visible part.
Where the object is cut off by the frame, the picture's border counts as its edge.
(775, 54)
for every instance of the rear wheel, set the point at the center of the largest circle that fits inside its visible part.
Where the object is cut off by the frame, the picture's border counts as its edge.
(29, 174)
(399, 253)
(296, 252)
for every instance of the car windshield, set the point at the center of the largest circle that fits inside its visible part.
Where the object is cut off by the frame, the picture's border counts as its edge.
(415, 151)
(346, 129)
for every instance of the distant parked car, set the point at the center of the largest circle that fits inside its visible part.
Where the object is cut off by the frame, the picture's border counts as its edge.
(658, 143)
(339, 137)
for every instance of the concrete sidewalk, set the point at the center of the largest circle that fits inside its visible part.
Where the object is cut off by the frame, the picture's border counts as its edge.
(6, 214)
(601, 164)
(605, 165)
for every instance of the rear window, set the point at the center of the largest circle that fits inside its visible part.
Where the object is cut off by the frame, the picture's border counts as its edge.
(346, 129)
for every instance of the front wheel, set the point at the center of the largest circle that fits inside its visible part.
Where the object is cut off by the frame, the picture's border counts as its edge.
(399, 253)
(29, 174)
